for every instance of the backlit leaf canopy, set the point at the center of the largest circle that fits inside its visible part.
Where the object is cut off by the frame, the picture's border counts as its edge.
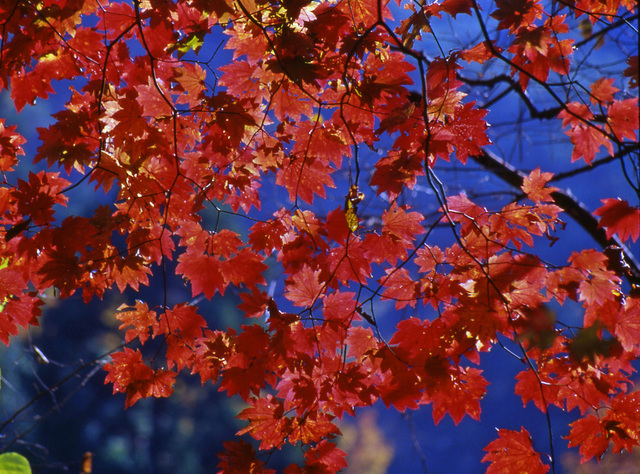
(324, 134)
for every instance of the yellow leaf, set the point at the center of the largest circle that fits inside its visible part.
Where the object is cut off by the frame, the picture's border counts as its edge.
(351, 217)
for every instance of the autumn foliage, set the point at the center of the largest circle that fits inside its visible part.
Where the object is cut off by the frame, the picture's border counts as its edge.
(327, 106)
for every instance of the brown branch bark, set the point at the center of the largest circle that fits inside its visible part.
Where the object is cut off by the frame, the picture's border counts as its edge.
(570, 204)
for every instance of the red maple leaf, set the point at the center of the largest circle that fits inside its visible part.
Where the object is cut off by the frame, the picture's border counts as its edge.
(60, 270)
(586, 137)
(312, 427)
(203, 271)
(304, 178)
(456, 7)
(469, 131)
(239, 457)
(153, 100)
(401, 224)
(12, 281)
(537, 50)
(37, 197)
(460, 397)
(305, 287)
(143, 321)
(480, 53)
(183, 320)
(116, 18)
(402, 389)
(327, 456)
(267, 422)
(129, 374)
(360, 341)
(254, 304)
(622, 421)
(588, 433)
(245, 268)
(340, 306)
(513, 452)
(397, 171)
(27, 86)
(401, 287)
(627, 325)
(191, 80)
(535, 186)
(130, 116)
(619, 218)
(250, 367)
(538, 389)
(623, 118)
(129, 271)
(10, 148)
(587, 141)
(603, 90)
(598, 284)
(515, 13)
(19, 311)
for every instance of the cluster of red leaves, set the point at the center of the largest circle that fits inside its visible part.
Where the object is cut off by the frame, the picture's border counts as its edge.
(621, 122)
(308, 83)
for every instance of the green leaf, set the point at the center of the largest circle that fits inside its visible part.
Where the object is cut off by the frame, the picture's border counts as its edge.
(4, 263)
(14, 463)
(193, 44)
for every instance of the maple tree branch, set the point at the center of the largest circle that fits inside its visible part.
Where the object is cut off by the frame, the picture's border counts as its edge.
(515, 87)
(594, 16)
(416, 443)
(96, 364)
(612, 26)
(569, 203)
(545, 85)
(624, 151)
